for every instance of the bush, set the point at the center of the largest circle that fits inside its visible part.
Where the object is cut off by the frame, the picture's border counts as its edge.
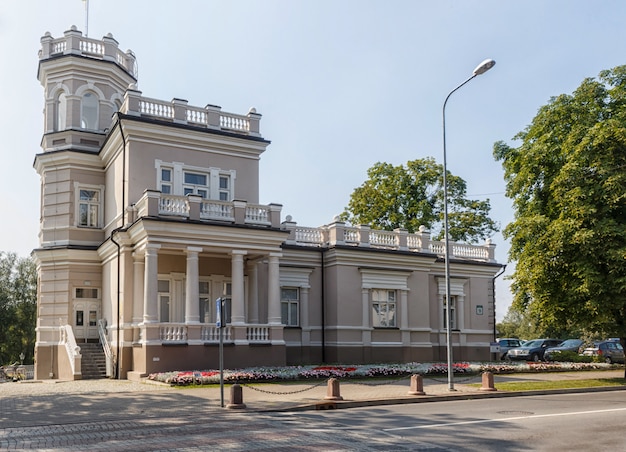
(573, 357)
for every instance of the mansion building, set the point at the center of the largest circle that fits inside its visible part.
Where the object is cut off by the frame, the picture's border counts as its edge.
(150, 212)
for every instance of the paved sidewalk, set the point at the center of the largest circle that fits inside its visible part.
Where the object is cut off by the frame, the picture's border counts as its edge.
(27, 402)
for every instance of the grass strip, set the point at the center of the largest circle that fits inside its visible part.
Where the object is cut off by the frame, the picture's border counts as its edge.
(556, 384)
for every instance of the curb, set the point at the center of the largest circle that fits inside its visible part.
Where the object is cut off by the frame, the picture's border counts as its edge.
(345, 404)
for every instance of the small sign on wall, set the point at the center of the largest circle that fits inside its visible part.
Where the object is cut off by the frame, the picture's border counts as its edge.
(479, 309)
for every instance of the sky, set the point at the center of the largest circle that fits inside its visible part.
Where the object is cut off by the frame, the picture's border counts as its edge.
(341, 85)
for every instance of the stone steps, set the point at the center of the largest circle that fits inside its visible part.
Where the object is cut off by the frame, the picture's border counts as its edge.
(93, 365)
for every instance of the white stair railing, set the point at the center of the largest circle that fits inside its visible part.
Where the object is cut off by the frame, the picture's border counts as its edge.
(73, 350)
(102, 332)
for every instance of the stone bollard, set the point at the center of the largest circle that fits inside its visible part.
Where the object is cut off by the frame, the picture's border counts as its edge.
(236, 397)
(417, 385)
(488, 382)
(332, 391)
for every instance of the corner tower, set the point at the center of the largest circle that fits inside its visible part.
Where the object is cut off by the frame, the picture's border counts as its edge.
(84, 82)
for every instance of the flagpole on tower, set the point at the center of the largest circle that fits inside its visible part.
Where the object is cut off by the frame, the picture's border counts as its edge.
(86, 2)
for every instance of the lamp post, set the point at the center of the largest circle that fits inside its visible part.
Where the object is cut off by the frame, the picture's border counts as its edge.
(480, 69)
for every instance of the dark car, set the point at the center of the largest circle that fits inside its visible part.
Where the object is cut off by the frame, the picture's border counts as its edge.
(532, 350)
(506, 344)
(570, 345)
(610, 351)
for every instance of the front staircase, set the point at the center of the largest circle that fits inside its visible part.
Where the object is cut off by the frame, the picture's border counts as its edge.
(93, 362)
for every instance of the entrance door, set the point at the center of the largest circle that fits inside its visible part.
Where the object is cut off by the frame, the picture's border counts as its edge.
(86, 316)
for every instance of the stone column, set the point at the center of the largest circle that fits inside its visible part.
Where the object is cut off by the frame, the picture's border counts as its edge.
(138, 281)
(192, 308)
(237, 301)
(273, 289)
(151, 289)
(253, 295)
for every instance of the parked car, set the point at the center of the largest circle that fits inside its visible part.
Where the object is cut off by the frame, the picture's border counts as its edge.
(533, 350)
(570, 345)
(610, 351)
(506, 344)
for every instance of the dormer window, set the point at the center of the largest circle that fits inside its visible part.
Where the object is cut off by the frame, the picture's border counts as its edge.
(89, 111)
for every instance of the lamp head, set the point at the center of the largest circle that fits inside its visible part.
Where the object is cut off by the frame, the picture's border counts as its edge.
(484, 66)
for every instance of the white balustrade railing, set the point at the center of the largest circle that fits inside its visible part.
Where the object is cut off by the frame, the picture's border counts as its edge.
(211, 333)
(173, 205)
(257, 214)
(73, 350)
(234, 122)
(258, 333)
(92, 47)
(351, 235)
(173, 332)
(216, 210)
(387, 239)
(414, 242)
(155, 107)
(307, 235)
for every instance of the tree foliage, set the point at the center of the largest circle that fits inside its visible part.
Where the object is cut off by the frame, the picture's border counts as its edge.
(18, 308)
(412, 195)
(567, 180)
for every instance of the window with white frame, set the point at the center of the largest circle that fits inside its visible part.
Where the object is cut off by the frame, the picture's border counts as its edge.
(164, 300)
(209, 183)
(88, 206)
(89, 111)
(290, 306)
(195, 184)
(224, 182)
(86, 292)
(383, 308)
(452, 312)
(204, 299)
(165, 180)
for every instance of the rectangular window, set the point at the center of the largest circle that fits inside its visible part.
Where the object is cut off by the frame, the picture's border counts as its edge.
(195, 184)
(224, 188)
(164, 300)
(166, 181)
(289, 306)
(384, 308)
(204, 299)
(452, 312)
(86, 292)
(88, 208)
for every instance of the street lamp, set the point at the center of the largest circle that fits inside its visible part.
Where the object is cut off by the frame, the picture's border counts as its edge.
(480, 69)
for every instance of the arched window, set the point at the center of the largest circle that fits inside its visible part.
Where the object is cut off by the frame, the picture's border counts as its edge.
(89, 111)
(61, 112)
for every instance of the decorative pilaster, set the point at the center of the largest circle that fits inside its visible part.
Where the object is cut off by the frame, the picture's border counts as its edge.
(367, 324)
(138, 282)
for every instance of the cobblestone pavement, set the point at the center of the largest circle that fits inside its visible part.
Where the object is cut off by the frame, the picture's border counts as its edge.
(124, 415)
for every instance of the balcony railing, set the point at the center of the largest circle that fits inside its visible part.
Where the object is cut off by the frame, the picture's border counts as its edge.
(73, 42)
(338, 233)
(156, 204)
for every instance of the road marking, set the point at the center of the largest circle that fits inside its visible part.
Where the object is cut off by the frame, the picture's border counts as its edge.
(515, 418)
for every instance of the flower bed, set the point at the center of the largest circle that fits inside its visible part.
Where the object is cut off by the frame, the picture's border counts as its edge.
(299, 373)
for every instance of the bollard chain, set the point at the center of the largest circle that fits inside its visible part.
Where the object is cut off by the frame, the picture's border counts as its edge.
(283, 392)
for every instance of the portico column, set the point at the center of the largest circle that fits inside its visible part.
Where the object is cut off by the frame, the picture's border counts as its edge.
(138, 280)
(237, 301)
(253, 295)
(192, 295)
(273, 289)
(151, 292)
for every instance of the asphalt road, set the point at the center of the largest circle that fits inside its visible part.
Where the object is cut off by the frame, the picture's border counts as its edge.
(584, 421)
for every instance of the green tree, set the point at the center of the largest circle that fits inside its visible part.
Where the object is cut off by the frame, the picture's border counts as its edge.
(18, 307)
(412, 195)
(567, 180)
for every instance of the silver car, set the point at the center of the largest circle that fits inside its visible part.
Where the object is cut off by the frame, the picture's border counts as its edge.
(506, 344)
